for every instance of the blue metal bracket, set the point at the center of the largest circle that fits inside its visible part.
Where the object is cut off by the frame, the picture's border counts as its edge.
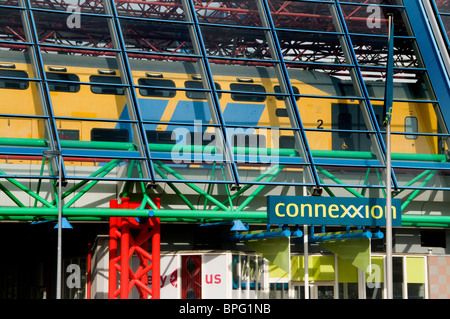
(64, 223)
(348, 235)
(265, 235)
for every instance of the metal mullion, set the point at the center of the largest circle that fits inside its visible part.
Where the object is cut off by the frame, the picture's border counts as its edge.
(116, 34)
(68, 13)
(283, 77)
(16, 42)
(44, 93)
(177, 123)
(207, 77)
(90, 119)
(233, 26)
(438, 14)
(213, 57)
(168, 54)
(65, 46)
(360, 84)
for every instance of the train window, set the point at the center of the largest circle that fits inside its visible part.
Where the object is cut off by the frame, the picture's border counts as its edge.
(344, 123)
(411, 126)
(287, 142)
(247, 88)
(63, 86)
(157, 92)
(277, 89)
(106, 89)
(200, 95)
(13, 84)
(109, 135)
(73, 135)
(281, 113)
(160, 137)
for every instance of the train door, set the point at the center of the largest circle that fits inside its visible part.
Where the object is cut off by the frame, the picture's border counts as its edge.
(348, 118)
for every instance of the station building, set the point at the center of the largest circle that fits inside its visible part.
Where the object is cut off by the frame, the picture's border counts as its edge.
(146, 146)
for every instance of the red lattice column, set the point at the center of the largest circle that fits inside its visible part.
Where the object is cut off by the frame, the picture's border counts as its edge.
(130, 237)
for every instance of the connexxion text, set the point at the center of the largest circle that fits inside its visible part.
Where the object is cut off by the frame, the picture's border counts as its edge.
(315, 210)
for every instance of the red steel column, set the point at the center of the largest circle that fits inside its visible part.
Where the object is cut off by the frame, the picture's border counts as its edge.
(120, 230)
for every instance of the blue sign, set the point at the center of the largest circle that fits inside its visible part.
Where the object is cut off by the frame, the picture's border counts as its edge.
(316, 210)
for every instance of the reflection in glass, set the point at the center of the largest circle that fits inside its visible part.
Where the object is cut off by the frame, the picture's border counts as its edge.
(311, 47)
(235, 43)
(152, 9)
(53, 29)
(156, 37)
(236, 12)
(302, 15)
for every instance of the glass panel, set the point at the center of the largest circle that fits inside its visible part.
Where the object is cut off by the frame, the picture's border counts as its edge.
(156, 37)
(408, 84)
(443, 6)
(9, 2)
(273, 174)
(152, 9)
(239, 109)
(10, 25)
(245, 78)
(235, 43)
(426, 178)
(93, 33)
(23, 128)
(102, 168)
(185, 144)
(236, 12)
(383, 2)
(109, 101)
(83, 6)
(372, 51)
(417, 118)
(312, 47)
(302, 15)
(322, 81)
(363, 19)
(351, 175)
(96, 130)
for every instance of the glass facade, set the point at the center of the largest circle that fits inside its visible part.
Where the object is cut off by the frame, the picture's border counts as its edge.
(226, 89)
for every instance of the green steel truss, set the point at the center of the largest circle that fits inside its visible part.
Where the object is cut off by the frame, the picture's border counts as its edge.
(234, 207)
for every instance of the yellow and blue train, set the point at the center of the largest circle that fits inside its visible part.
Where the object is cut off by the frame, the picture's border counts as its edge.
(91, 92)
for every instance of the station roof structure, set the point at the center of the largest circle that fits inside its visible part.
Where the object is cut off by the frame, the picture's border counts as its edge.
(74, 73)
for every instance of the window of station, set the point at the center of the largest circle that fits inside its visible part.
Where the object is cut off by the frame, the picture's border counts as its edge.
(106, 89)
(198, 95)
(411, 126)
(65, 86)
(109, 135)
(11, 83)
(248, 88)
(277, 89)
(160, 88)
